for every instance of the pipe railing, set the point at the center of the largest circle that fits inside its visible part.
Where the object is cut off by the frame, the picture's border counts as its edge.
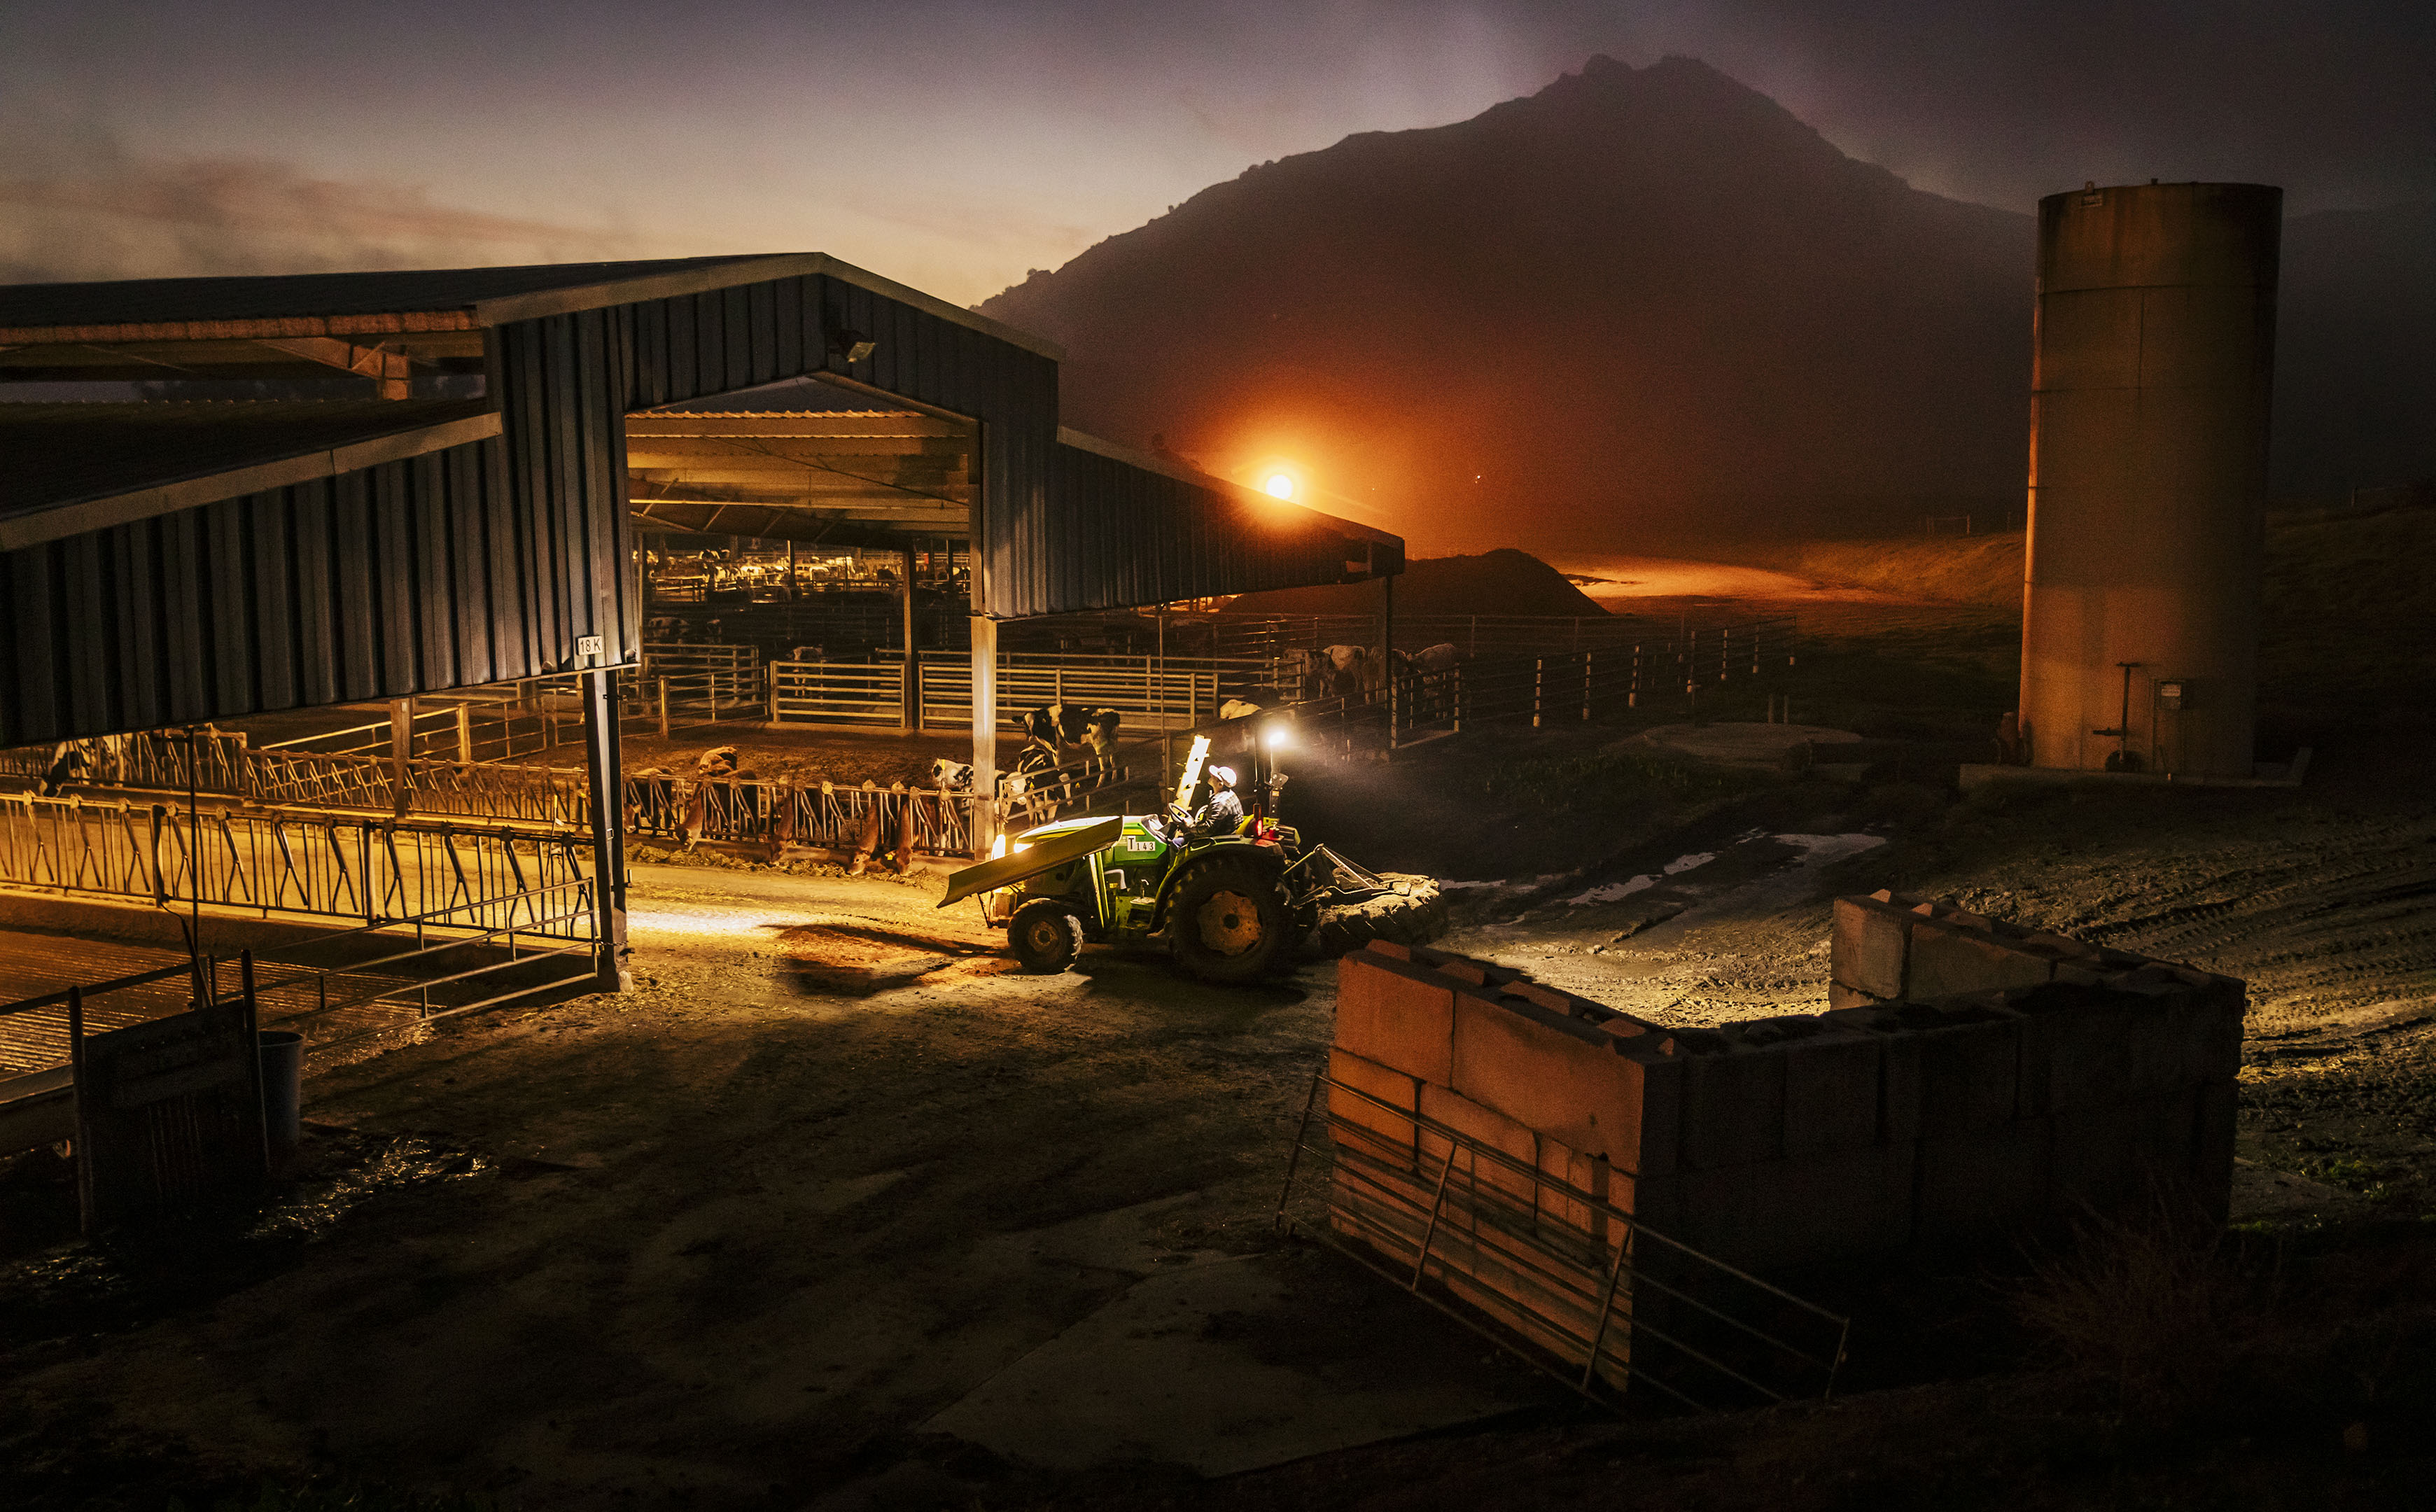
(315, 865)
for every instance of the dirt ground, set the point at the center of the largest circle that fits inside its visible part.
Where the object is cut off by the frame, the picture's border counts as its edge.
(836, 1210)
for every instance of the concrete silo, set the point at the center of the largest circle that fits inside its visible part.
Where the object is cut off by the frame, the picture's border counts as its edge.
(2155, 344)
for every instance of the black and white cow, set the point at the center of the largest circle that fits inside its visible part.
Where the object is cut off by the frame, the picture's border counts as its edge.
(68, 763)
(1055, 726)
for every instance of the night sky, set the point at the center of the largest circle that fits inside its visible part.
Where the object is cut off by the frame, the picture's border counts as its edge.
(954, 145)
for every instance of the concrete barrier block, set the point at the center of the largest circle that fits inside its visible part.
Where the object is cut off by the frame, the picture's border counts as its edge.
(1468, 969)
(1653, 1083)
(1492, 1179)
(2165, 1130)
(2156, 1054)
(1733, 1108)
(1569, 1215)
(1841, 999)
(2096, 1159)
(1898, 1088)
(1830, 1091)
(1830, 1206)
(1548, 998)
(1395, 1014)
(2081, 1052)
(1969, 1075)
(1870, 946)
(2213, 1039)
(1656, 1201)
(2215, 1108)
(1948, 958)
(1365, 1126)
(1557, 1078)
(2061, 945)
(1981, 1184)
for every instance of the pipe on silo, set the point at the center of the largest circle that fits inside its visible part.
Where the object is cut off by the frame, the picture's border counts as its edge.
(2155, 346)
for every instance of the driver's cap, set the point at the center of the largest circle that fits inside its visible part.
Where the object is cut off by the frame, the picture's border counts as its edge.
(1223, 774)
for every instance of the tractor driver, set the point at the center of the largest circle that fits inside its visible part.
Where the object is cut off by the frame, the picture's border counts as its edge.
(1224, 812)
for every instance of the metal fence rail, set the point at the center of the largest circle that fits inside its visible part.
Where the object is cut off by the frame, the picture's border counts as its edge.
(1569, 687)
(1472, 636)
(321, 865)
(1569, 1282)
(1175, 694)
(866, 693)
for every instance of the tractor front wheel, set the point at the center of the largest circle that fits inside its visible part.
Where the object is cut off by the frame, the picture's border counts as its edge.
(1229, 923)
(1045, 936)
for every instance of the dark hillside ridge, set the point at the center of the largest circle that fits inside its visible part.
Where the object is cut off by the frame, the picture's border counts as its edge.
(1639, 303)
(1640, 310)
(1498, 582)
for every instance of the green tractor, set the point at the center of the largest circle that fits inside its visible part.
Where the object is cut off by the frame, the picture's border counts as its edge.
(1232, 905)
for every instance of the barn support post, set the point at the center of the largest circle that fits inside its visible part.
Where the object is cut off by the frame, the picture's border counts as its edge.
(603, 784)
(984, 733)
(401, 751)
(911, 681)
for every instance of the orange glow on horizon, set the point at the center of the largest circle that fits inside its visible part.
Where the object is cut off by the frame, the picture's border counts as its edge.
(1280, 485)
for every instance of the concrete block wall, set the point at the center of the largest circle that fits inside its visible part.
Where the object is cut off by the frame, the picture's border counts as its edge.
(1969, 1079)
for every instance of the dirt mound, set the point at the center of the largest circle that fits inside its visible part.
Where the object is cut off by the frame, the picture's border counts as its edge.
(1413, 914)
(1505, 581)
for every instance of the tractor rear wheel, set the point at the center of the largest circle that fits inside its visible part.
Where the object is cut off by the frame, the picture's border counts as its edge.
(1045, 936)
(1228, 922)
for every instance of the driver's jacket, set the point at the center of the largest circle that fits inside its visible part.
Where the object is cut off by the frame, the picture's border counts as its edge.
(1221, 815)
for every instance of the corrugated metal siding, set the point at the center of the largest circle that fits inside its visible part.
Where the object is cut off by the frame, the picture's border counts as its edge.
(563, 391)
(406, 578)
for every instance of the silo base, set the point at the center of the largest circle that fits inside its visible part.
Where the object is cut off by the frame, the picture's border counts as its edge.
(1978, 774)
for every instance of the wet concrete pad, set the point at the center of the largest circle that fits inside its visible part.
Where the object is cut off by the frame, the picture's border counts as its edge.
(1184, 1368)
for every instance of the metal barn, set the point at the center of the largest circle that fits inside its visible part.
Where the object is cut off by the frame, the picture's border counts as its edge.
(168, 563)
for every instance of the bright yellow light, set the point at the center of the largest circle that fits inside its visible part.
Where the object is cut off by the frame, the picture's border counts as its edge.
(1280, 738)
(1280, 485)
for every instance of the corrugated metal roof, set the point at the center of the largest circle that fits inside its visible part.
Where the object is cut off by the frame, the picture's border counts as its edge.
(295, 305)
(146, 301)
(64, 455)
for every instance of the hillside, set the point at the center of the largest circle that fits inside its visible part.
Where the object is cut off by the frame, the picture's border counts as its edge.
(1649, 311)
(1497, 582)
(1641, 305)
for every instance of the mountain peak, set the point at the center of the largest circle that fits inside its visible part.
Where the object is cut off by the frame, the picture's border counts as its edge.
(1649, 298)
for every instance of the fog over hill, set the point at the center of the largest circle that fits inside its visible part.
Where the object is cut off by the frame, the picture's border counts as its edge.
(1645, 308)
